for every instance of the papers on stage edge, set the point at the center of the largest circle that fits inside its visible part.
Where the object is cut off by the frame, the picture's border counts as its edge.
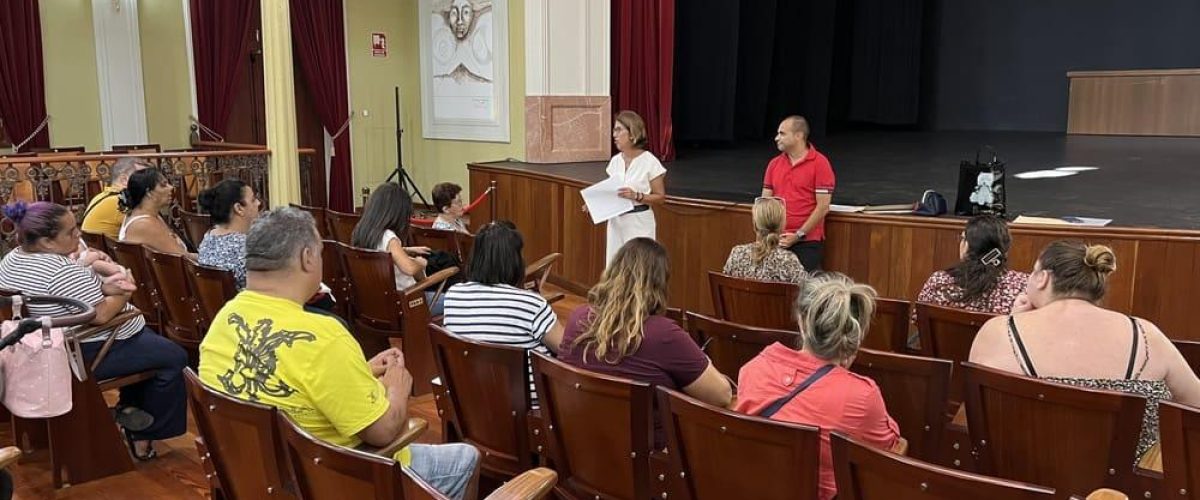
(1065, 221)
(602, 200)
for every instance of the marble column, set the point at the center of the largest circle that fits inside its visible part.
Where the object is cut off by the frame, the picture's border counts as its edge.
(280, 96)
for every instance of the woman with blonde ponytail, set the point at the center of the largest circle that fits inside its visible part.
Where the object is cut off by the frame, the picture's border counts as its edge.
(622, 331)
(811, 383)
(764, 259)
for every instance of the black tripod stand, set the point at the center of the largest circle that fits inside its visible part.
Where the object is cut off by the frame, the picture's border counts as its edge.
(406, 181)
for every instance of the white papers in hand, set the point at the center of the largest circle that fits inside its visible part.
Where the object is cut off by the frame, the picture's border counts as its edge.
(602, 200)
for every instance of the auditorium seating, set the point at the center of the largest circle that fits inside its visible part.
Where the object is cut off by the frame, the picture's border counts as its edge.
(211, 288)
(381, 312)
(318, 215)
(765, 304)
(95, 241)
(341, 225)
(914, 391)
(947, 333)
(721, 454)
(146, 296)
(1179, 435)
(537, 273)
(334, 277)
(598, 430)
(481, 382)
(1072, 439)
(452, 242)
(889, 327)
(1191, 352)
(181, 315)
(195, 226)
(864, 472)
(731, 345)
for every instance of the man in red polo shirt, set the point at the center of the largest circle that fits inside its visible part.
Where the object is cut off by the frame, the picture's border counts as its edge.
(803, 177)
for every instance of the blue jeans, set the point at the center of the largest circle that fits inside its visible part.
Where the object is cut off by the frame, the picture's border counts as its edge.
(163, 396)
(446, 467)
(435, 308)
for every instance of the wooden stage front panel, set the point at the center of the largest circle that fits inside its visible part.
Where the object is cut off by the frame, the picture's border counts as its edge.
(1157, 277)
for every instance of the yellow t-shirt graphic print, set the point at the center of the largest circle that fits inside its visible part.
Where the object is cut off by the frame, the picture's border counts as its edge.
(273, 351)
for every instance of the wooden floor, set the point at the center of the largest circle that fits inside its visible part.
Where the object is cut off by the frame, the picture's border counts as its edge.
(176, 473)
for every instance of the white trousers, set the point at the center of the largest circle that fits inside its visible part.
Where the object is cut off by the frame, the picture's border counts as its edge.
(627, 227)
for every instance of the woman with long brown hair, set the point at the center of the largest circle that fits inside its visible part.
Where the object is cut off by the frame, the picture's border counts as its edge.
(622, 331)
(764, 259)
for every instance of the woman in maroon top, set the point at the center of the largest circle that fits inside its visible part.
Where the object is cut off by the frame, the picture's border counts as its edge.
(981, 281)
(622, 332)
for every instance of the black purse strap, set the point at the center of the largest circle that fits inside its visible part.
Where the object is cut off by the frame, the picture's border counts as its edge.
(774, 407)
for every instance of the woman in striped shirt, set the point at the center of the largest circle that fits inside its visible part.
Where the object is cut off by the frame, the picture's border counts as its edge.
(492, 307)
(47, 235)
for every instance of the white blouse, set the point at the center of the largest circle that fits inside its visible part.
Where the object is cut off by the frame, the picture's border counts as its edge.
(644, 168)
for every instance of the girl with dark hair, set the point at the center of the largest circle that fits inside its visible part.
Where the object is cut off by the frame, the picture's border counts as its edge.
(143, 200)
(1059, 332)
(43, 265)
(492, 307)
(233, 206)
(981, 281)
(384, 227)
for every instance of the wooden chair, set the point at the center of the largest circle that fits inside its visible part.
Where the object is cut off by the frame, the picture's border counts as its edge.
(915, 391)
(482, 381)
(381, 312)
(730, 345)
(947, 333)
(182, 319)
(1179, 435)
(95, 241)
(334, 277)
(146, 297)
(318, 214)
(211, 288)
(195, 226)
(537, 273)
(1190, 349)
(864, 472)
(341, 225)
(327, 472)
(241, 442)
(765, 304)
(599, 431)
(889, 328)
(1072, 439)
(452, 242)
(718, 453)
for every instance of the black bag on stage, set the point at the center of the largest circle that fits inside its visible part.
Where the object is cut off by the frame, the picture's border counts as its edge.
(981, 187)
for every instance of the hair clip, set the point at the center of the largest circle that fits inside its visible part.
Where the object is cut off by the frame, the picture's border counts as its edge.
(992, 258)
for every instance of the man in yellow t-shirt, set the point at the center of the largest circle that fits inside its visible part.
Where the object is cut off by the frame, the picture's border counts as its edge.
(103, 213)
(264, 346)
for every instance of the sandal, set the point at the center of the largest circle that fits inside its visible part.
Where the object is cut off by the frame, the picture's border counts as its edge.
(150, 454)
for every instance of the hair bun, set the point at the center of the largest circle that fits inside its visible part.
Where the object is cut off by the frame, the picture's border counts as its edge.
(15, 211)
(1100, 258)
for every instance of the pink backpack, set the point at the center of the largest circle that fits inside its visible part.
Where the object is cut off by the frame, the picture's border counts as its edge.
(37, 370)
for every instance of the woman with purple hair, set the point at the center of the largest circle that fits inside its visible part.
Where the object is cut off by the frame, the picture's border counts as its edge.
(42, 264)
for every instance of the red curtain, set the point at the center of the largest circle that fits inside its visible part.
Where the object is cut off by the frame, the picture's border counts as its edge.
(220, 44)
(22, 89)
(643, 52)
(320, 40)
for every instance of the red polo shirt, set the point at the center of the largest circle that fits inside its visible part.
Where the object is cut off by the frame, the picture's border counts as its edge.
(798, 184)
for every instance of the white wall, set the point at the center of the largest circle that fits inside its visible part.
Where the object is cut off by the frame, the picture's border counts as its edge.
(567, 48)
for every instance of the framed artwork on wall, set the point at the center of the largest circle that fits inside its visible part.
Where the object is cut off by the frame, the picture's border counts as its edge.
(464, 69)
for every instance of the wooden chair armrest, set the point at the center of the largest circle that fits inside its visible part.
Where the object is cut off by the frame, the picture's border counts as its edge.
(413, 429)
(9, 455)
(901, 447)
(439, 278)
(530, 485)
(1106, 494)
(91, 331)
(554, 297)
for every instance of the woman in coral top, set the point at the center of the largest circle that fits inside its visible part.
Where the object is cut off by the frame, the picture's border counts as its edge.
(834, 314)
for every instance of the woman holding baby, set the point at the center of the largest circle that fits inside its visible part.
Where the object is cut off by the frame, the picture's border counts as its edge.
(48, 262)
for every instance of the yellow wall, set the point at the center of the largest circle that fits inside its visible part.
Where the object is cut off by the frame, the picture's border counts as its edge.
(69, 59)
(165, 76)
(372, 80)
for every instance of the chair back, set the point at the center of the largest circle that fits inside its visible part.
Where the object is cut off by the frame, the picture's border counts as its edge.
(915, 390)
(599, 430)
(372, 274)
(947, 333)
(864, 472)
(730, 345)
(95, 240)
(1190, 349)
(484, 381)
(334, 276)
(146, 297)
(211, 288)
(1179, 436)
(765, 304)
(341, 225)
(325, 471)
(1072, 439)
(451, 242)
(889, 327)
(183, 315)
(723, 454)
(195, 226)
(318, 215)
(243, 443)
(537, 273)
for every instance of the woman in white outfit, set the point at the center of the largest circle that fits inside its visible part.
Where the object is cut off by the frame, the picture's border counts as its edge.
(642, 176)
